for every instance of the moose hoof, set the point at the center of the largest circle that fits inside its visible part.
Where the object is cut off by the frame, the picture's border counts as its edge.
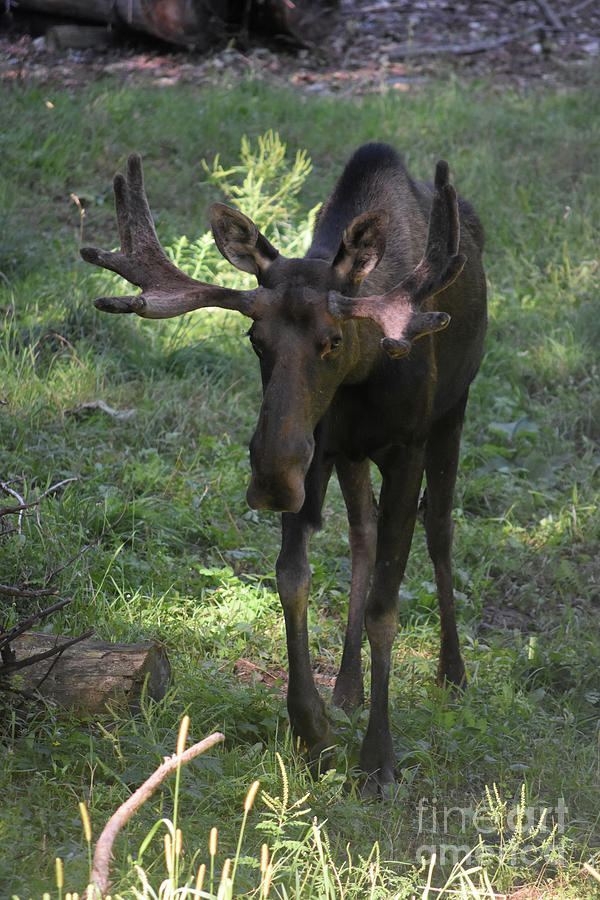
(312, 728)
(380, 785)
(378, 762)
(319, 761)
(317, 756)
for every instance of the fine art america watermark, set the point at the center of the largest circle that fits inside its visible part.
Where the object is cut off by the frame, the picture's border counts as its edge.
(519, 833)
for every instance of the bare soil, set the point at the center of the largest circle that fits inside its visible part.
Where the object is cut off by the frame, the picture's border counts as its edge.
(373, 44)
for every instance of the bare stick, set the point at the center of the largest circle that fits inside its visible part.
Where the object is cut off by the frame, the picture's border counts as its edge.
(409, 49)
(580, 6)
(4, 511)
(551, 16)
(60, 648)
(56, 486)
(8, 510)
(20, 627)
(14, 591)
(99, 883)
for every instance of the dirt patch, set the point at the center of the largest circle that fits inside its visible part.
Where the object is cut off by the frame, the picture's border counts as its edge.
(374, 45)
(276, 677)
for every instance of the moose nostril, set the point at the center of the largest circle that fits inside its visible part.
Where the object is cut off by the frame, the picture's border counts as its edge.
(275, 497)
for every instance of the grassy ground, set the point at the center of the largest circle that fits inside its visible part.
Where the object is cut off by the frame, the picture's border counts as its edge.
(189, 564)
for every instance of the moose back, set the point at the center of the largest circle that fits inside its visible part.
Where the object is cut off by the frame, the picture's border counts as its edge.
(367, 347)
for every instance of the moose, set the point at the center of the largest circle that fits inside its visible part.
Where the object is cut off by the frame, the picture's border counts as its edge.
(367, 347)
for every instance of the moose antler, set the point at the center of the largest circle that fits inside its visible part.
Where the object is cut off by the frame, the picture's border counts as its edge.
(166, 290)
(398, 312)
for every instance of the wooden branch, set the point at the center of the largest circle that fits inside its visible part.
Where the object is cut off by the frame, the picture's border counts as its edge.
(6, 510)
(99, 884)
(551, 16)
(13, 493)
(21, 627)
(45, 654)
(579, 6)
(403, 51)
(14, 591)
(9, 510)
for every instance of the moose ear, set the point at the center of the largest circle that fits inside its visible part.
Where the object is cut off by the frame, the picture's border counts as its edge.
(240, 241)
(363, 245)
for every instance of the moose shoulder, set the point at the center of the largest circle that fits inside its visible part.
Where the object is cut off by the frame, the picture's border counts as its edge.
(367, 347)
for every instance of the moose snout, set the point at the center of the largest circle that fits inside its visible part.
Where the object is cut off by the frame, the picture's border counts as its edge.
(278, 472)
(277, 498)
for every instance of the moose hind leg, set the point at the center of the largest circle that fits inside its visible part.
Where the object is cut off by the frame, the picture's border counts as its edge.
(306, 710)
(441, 466)
(355, 482)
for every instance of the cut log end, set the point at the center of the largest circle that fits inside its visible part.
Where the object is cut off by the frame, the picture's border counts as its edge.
(92, 673)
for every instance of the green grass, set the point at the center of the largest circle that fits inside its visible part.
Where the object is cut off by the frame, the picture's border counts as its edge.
(186, 562)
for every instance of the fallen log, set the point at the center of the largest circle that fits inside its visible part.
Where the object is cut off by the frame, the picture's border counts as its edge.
(77, 37)
(197, 23)
(89, 674)
(176, 21)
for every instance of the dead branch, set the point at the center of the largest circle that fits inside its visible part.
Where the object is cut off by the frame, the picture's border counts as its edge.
(99, 884)
(9, 663)
(7, 510)
(551, 16)
(94, 405)
(14, 591)
(22, 505)
(5, 486)
(21, 627)
(403, 51)
(579, 6)
(59, 649)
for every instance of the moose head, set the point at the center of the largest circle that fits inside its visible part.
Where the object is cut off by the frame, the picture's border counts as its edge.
(308, 315)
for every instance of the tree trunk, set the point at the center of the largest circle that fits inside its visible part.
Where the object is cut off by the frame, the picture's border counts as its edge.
(86, 676)
(198, 23)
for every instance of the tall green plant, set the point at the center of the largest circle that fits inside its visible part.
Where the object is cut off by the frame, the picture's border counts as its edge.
(264, 185)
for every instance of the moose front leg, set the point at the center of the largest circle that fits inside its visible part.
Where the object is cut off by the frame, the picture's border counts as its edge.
(402, 470)
(441, 466)
(306, 709)
(355, 482)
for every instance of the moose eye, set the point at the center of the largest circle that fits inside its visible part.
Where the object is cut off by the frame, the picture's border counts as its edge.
(331, 346)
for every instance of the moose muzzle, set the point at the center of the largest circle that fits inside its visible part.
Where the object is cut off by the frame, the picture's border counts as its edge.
(279, 467)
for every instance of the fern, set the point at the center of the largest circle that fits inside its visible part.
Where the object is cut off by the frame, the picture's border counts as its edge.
(265, 187)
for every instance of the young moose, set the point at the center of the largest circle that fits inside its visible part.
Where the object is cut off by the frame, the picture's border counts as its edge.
(345, 381)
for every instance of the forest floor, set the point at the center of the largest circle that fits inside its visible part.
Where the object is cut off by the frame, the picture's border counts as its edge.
(372, 46)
